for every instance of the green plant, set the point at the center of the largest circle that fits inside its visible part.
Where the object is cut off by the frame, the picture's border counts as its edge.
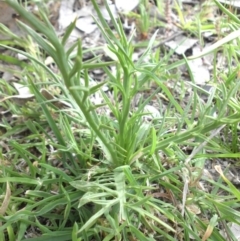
(118, 176)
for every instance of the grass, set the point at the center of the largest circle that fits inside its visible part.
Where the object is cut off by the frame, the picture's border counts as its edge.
(78, 173)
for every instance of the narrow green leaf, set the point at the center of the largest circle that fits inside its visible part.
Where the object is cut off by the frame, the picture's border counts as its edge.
(68, 31)
(97, 215)
(154, 141)
(77, 67)
(21, 180)
(74, 233)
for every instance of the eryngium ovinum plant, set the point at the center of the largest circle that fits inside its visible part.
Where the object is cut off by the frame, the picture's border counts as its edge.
(125, 176)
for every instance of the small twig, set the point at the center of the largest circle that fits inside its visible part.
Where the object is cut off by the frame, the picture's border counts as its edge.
(168, 11)
(162, 42)
(167, 39)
